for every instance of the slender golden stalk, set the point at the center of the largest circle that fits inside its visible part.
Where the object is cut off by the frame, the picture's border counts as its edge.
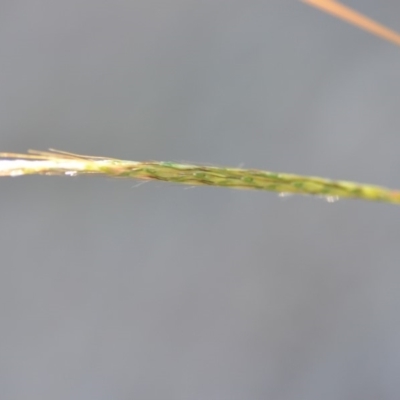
(353, 17)
(62, 163)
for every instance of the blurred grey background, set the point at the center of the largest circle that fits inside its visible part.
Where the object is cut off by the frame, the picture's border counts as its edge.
(110, 290)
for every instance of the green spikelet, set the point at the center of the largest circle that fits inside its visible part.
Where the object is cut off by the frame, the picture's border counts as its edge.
(63, 163)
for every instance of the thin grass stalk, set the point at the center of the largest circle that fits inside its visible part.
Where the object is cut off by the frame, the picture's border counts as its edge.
(63, 163)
